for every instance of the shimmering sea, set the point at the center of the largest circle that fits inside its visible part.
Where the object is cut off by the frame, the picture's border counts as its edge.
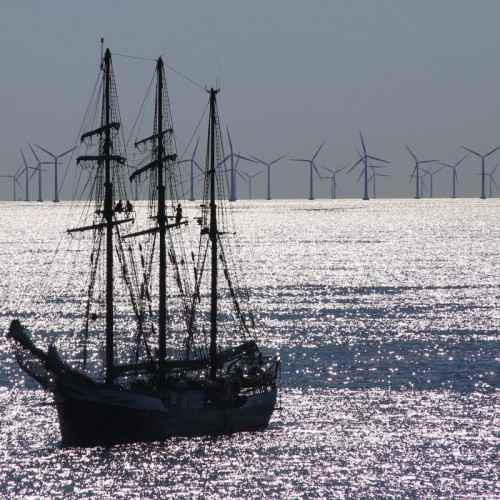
(386, 314)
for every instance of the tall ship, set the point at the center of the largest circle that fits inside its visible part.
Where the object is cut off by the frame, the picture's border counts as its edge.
(166, 343)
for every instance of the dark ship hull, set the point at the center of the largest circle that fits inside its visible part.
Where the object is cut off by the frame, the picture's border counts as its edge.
(105, 416)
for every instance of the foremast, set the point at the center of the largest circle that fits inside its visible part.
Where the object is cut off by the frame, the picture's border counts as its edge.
(104, 216)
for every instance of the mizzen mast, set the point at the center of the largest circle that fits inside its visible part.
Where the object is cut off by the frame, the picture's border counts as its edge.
(213, 235)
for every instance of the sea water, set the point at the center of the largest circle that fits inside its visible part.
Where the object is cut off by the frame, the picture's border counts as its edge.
(386, 316)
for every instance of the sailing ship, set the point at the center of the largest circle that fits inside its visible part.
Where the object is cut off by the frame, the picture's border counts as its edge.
(185, 371)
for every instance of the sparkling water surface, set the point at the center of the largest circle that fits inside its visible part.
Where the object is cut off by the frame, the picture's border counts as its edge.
(386, 317)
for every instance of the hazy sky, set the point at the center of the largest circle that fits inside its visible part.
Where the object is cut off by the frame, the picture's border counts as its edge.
(292, 74)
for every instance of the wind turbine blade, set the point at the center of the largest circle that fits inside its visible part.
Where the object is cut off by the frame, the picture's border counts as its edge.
(470, 151)
(32, 174)
(362, 142)
(411, 152)
(428, 161)
(355, 165)
(34, 154)
(316, 170)
(259, 160)
(493, 181)
(413, 172)
(456, 176)
(299, 159)
(277, 159)
(197, 166)
(340, 169)
(460, 161)
(378, 159)
(492, 151)
(239, 173)
(229, 138)
(48, 152)
(24, 159)
(316, 154)
(65, 153)
(245, 158)
(196, 147)
(327, 169)
(446, 165)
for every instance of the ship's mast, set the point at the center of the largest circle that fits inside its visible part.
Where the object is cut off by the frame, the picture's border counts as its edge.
(161, 218)
(213, 233)
(159, 160)
(108, 217)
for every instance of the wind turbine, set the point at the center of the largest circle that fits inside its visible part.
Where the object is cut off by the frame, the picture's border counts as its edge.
(15, 181)
(431, 175)
(39, 168)
(455, 176)
(483, 176)
(365, 159)
(27, 177)
(334, 186)
(250, 177)
(268, 173)
(311, 167)
(232, 195)
(56, 185)
(374, 178)
(415, 173)
(193, 163)
(492, 180)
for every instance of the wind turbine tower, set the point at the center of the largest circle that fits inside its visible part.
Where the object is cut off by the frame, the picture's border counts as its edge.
(492, 180)
(232, 155)
(268, 173)
(56, 158)
(431, 175)
(312, 166)
(27, 177)
(455, 176)
(416, 173)
(364, 158)
(39, 168)
(483, 174)
(193, 163)
(15, 180)
(333, 178)
(250, 177)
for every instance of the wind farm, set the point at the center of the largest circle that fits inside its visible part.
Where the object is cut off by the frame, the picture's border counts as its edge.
(369, 172)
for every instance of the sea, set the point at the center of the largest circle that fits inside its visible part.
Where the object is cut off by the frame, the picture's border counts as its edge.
(386, 315)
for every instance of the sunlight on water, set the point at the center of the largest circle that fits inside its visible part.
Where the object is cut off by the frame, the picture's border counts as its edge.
(385, 315)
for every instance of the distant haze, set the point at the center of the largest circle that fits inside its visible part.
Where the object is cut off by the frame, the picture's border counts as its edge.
(292, 75)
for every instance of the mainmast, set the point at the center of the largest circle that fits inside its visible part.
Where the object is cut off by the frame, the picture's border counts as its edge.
(158, 163)
(108, 217)
(213, 234)
(161, 218)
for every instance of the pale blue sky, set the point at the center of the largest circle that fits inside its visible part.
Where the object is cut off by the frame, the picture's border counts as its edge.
(293, 74)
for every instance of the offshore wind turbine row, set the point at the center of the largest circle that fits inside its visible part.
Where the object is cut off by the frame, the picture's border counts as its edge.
(369, 172)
